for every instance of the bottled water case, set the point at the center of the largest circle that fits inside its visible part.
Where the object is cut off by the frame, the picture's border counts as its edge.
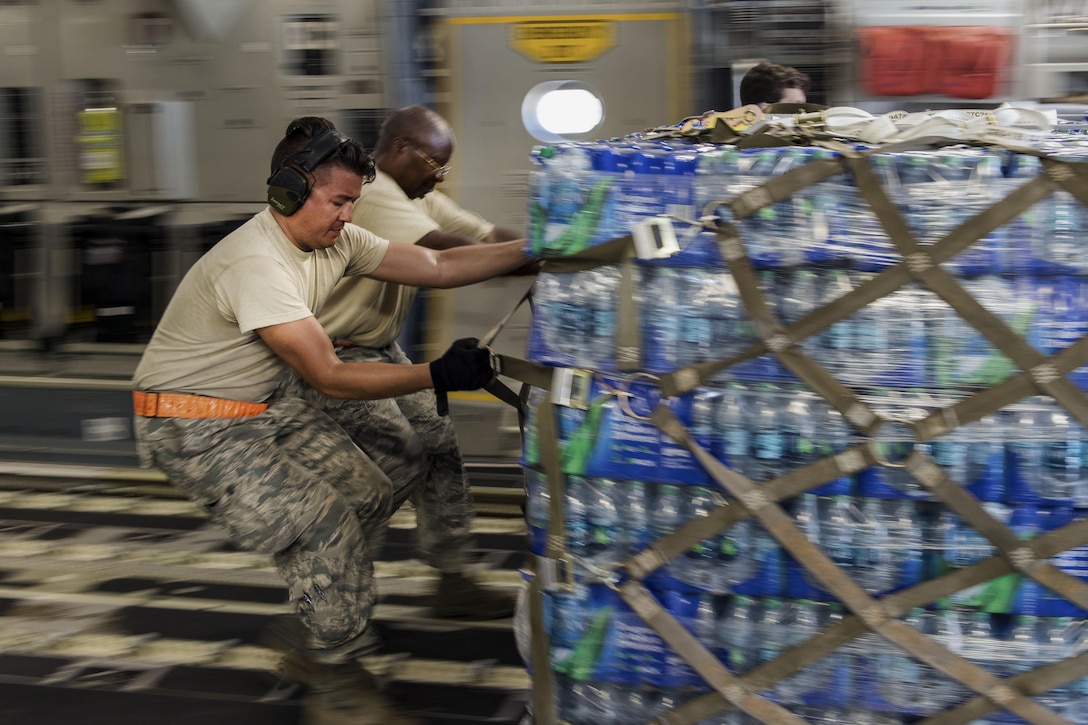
(846, 423)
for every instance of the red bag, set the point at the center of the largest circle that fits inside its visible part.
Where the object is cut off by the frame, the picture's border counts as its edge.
(894, 60)
(972, 60)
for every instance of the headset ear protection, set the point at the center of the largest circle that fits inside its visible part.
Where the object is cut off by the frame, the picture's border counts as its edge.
(291, 183)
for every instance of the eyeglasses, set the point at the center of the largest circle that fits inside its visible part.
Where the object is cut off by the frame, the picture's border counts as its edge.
(440, 172)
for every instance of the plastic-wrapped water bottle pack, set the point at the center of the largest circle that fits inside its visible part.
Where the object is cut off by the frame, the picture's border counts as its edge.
(583, 194)
(906, 355)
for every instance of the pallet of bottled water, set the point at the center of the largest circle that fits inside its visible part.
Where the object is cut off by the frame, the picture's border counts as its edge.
(908, 358)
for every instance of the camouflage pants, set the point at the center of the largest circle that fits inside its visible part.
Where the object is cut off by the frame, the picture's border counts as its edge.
(418, 450)
(290, 483)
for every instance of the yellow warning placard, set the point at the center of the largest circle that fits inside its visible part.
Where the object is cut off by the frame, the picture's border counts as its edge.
(563, 41)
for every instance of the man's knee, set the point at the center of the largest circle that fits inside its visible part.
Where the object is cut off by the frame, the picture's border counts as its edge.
(335, 629)
(335, 612)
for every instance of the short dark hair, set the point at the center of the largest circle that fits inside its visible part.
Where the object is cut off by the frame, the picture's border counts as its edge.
(350, 154)
(767, 82)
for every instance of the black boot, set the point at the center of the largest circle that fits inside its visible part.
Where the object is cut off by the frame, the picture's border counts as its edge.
(459, 597)
(334, 694)
(348, 694)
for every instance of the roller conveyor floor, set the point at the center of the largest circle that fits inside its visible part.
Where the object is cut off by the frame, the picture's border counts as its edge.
(119, 603)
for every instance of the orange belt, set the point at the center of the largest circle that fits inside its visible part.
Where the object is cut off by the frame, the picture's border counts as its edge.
(180, 405)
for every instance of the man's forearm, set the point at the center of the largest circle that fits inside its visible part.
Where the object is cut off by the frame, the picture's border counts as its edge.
(467, 265)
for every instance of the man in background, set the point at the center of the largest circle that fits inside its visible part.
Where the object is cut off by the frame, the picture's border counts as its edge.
(769, 83)
(365, 319)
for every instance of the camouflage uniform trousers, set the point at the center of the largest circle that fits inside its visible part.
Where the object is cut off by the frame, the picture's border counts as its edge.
(289, 483)
(418, 450)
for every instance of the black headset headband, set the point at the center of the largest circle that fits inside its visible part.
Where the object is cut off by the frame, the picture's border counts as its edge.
(319, 149)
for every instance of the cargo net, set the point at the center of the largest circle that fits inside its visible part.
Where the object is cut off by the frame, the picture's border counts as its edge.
(826, 460)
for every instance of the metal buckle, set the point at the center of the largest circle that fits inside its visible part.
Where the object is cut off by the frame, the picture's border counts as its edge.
(571, 387)
(655, 238)
(495, 360)
(556, 573)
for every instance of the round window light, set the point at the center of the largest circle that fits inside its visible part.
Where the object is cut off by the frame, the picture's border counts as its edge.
(558, 111)
(569, 111)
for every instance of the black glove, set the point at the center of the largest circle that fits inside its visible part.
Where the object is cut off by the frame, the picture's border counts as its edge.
(465, 366)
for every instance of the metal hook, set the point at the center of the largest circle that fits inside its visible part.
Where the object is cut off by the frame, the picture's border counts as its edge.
(875, 444)
(624, 397)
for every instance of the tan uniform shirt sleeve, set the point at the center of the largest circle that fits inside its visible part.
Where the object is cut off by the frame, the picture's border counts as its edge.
(372, 313)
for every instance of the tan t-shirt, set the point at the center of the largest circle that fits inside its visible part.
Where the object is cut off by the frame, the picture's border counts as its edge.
(206, 342)
(368, 312)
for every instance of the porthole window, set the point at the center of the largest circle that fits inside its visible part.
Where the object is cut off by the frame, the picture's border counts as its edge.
(558, 111)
